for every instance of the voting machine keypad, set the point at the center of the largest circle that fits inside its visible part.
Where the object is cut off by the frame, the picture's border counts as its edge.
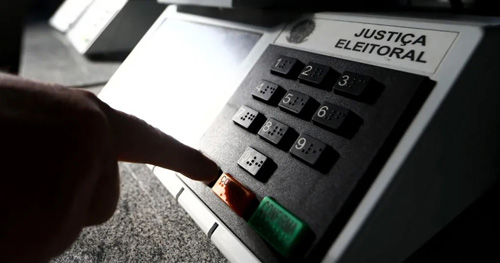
(304, 147)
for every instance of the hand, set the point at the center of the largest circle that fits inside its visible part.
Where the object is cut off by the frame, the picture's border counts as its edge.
(59, 149)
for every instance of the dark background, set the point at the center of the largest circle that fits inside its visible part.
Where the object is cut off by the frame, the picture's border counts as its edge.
(13, 15)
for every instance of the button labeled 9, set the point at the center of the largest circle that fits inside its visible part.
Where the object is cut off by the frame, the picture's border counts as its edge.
(313, 152)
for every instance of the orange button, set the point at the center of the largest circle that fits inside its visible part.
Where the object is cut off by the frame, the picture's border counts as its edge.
(234, 194)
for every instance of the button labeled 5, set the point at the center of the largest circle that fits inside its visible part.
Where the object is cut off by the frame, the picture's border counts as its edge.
(298, 104)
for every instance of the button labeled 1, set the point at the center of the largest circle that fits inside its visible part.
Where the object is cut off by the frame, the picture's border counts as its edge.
(287, 67)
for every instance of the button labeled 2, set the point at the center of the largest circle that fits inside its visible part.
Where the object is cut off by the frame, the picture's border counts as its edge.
(317, 75)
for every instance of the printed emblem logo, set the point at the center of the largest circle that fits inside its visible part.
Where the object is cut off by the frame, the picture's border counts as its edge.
(300, 31)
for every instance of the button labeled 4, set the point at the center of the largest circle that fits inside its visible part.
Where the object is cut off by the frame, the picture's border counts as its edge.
(268, 92)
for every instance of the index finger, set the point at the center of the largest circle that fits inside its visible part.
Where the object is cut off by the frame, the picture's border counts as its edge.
(137, 141)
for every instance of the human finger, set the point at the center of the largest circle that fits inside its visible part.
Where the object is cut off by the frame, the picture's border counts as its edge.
(137, 141)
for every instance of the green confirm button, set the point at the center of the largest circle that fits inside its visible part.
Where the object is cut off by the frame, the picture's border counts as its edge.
(280, 228)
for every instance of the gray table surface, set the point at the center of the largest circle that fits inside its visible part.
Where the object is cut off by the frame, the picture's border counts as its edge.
(48, 56)
(148, 225)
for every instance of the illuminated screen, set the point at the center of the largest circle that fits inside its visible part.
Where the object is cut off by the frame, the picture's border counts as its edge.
(180, 78)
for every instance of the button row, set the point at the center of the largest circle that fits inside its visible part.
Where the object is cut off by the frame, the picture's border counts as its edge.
(280, 228)
(349, 84)
(305, 147)
(327, 115)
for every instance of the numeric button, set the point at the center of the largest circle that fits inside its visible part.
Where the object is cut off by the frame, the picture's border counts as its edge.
(268, 92)
(313, 152)
(287, 67)
(298, 104)
(317, 75)
(256, 164)
(331, 116)
(353, 85)
(248, 118)
(277, 133)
